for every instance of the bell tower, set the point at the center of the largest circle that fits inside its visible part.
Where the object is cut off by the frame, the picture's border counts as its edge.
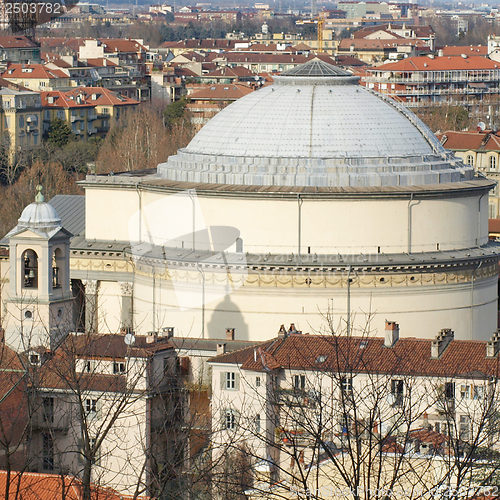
(39, 304)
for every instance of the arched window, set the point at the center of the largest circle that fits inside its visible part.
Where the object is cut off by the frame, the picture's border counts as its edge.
(493, 163)
(239, 245)
(57, 266)
(30, 269)
(470, 160)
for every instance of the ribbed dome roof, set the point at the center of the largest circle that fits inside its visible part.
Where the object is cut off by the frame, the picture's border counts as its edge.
(315, 126)
(39, 214)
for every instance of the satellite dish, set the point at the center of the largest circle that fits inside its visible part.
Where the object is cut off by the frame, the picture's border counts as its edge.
(481, 126)
(129, 339)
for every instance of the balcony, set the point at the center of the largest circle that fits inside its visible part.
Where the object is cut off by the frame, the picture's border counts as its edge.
(57, 423)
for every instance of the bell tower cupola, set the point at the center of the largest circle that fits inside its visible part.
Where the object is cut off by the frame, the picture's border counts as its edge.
(40, 302)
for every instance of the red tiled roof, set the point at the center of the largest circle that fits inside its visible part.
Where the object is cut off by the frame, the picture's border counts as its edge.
(16, 41)
(69, 98)
(464, 141)
(100, 62)
(494, 225)
(427, 436)
(409, 356)
(219, 91)
(457, 50)
(28, 71)
(112, 45)
(379, 44)
(226, 71)
(424, 63)
(38, 486)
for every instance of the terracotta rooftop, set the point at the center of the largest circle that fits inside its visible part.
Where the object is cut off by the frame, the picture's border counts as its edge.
(227, 72)
(29, 71)
(112, 45)
(38, 486)
(81, 97)
(474, 141)
(425, 63)
(16, 41)
(409, 356)
(219, 91)
(458, 50)
(494, 226)
(379, 44)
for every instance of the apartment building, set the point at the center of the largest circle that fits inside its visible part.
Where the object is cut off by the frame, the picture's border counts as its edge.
(481, 149)
(19, 49)
(310, 401)
(37, 77)
(90, 111)
(91, 408)
(20, 123)
(428, 80)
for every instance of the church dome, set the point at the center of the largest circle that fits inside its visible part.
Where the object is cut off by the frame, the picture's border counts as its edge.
(315, 126)
(39, 214)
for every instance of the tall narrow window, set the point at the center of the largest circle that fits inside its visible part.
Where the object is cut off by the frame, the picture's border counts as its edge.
(470, 160)
(493, 163)
(30, 269)
(47, 452)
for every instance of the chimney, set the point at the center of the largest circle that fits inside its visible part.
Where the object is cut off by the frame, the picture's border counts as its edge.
(230, 333)
(221, 349)
(440, 343)
(282, 331)
(151, 337)
(391, 333)
(292, 329)
(493, 345)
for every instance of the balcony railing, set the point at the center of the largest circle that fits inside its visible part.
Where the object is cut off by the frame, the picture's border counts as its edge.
(57, 422)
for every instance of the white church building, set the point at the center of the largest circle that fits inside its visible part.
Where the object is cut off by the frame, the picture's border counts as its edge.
(312, 201)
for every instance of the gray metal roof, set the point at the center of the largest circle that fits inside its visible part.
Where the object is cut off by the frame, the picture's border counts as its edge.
(314, 131)
(316, 67)
(71, 210)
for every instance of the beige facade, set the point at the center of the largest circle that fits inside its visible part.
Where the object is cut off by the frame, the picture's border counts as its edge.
(20, 123)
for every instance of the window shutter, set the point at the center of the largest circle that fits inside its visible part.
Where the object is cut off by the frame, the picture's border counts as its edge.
(222, 380)
(237, 382)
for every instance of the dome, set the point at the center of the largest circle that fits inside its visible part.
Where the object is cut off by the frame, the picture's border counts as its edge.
(315, 126)
(39, 214)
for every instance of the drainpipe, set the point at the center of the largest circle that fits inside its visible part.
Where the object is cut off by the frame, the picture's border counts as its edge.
(472, 297)
(479, 220)
(299, 232)
(411, 203)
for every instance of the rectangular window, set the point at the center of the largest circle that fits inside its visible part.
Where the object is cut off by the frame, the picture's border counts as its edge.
(48, 409)
(230, 420)
(47, 452)
(449, 390)
(464, 391)
(230, 380)
(257, 381)
(299, 381)
(464, 429)
(257, 423)
(397, 391)
(479, 392)
(87, 366)
(90, 406)
(118, 367)
(346, 384)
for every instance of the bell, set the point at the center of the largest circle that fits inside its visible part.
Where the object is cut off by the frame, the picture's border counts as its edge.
(31, 274)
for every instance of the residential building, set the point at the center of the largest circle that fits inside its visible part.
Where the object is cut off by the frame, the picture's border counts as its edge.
(480, 149)
(20, 120)
(340, 405)
(37, 77)
(19, 49)
(378, 50)
(89, 111)
(429, 80)
(206, 100)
